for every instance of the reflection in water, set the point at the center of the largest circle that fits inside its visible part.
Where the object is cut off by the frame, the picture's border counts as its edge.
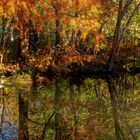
(113, 96)
(8, 122)
(74, 109)
(23, 111)
(58, 119)
(95, 109)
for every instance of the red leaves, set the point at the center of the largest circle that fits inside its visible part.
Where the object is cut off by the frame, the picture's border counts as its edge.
(40, 25)
(36, 15)
(22, 135)
(77, 3)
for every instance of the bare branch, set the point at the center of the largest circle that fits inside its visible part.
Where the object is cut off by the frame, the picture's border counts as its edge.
(126, 6)
(46, 124)
(130, 18)
(38, 123)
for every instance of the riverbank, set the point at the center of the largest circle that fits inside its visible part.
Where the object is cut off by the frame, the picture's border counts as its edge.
(69, 63)
(39, 77)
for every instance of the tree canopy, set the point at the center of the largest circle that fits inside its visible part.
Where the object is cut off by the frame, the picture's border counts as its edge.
(67, 31)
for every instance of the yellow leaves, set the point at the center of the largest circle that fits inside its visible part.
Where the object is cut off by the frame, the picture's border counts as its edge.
(23, 3)
(94, 9)
(83, 36)
(9, 7)
(48, 60)
(74, 22)
(1, 11)
(98, 38)
(84, 25)
(41, 62)
(65, 44)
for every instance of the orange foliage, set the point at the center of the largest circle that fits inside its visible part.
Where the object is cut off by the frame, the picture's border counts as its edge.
(88, 58)
(76, 18)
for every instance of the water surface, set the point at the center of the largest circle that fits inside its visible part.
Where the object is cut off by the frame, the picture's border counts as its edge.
(82, 109)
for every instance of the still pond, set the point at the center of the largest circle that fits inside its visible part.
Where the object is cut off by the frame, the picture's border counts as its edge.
(71, 109)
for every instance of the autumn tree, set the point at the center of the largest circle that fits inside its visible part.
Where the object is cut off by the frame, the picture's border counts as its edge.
(126, 11)
(14, 15)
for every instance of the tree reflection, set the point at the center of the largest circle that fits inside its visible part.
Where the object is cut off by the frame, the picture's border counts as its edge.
(8, 113)
(23, 112)
(74, 109)
(58, 119)
(113, 94)
(65, 110)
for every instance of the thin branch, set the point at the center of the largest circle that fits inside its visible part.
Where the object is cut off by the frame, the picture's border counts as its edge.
(46, 124)
(120, 13)
(38, 123)
(119, 18)
(34, 121)
(130, 18)
(123, 10)
(127, 5)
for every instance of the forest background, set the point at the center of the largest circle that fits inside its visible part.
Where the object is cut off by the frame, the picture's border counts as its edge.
(56, 37)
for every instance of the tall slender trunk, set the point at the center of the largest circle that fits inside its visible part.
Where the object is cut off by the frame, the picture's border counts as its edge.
(32, 37)
(116, 39)
(57, 24)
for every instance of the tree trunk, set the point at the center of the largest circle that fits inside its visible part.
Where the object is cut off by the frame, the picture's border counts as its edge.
(32, 37)
(118, 33)
(57, 24)
(116, 39)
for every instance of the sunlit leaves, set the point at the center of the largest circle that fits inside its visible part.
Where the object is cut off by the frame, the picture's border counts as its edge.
(10, 7)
